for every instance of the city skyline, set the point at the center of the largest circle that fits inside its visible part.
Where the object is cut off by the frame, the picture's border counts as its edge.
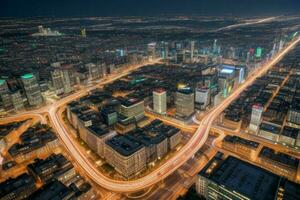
(195, 100)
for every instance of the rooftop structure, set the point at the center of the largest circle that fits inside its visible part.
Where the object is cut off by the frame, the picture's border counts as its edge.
(236, 179)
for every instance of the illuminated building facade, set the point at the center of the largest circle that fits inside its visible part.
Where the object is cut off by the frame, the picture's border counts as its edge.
(32, 90)
(160, 101)
(231, 178)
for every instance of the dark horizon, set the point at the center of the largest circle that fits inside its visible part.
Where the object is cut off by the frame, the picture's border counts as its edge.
(94, 8)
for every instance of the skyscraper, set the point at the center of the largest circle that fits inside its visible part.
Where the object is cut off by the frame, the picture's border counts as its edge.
(17, 100)
(192, 49)
(94, 71)
(57, 81)
(3, 86)
(32, 90)
(215, 47)
(152, 51)
(61, 81)
(160, 101)
(184, 102)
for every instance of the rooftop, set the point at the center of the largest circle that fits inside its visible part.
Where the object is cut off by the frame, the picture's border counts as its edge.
(98, 130)
(236, 139)
(2, 81)
(242, 177)
(27, 76)
(159, 90)
(127, 102)
(53, 190)
(270, 128)
(279, 157)
(123, 145)
(185, 91)
(19, 184)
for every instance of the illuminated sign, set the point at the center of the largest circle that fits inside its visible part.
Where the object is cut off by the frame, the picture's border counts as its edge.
(258, 52)
(227, 71)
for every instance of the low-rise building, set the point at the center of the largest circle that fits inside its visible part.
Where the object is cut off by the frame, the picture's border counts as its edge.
(109, 115)
(34, 142)
(243, 147)
(279, 163)
(55, 166)
(269, 131)
(289, 136)
(95, 136)
(231, 178)
(57, 190)
(17, 188)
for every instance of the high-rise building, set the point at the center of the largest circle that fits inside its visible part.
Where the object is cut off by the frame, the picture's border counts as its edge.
(192, 49)
(226, 79)
(165, 50)
(94, 71)
(184, 102)
(281, 43)
(152, 51)
(17, 100)
(83, 32)
(3, 87)
(67, 81)
(180, 57)
(61, 81)
(160, 101)
(293, 115)
(215, 47)
(4, 95)
(32, 90)
(248, 57)
(256, 116)
(258, 52)
(6, 101)
(202, 97)
(57, 81)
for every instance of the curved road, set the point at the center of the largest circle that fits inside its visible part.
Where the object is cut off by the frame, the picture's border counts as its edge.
(185, 153)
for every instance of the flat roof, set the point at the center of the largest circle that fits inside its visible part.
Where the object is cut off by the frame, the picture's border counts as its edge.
(53, 190)
(127, 102)
(98, 130)
(279, 157)
(20, 183)
(27, 76)
(244, 178)
(159, 90)
(2, 81)
(290, 132)
(236, 139)
(270, 128)
(291, 190)
(123, 145)
(185, 91)
(227, 71)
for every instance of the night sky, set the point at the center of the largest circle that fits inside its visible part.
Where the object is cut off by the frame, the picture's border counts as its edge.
(62, 8)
